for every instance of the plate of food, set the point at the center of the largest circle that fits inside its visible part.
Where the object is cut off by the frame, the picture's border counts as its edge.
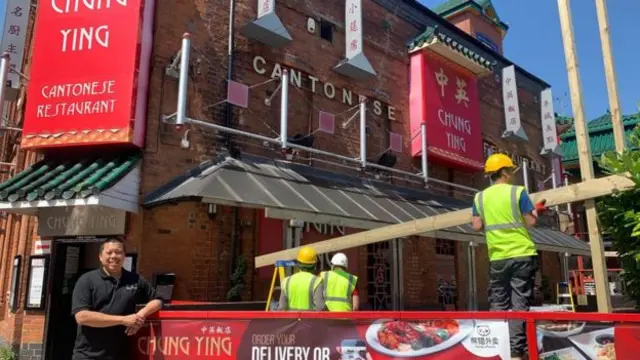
(399, 338)
(562, 354)
(598, 345)
(560, 329)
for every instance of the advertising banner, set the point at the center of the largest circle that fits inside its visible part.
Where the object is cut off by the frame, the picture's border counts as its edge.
(446, 98)
(323, 339)
(574, 340)
(89, 73)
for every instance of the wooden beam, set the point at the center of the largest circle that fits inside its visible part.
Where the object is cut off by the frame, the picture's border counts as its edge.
(584, 155)
(610, 74)
(562, 195)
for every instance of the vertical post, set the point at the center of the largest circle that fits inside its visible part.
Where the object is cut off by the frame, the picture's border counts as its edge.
(554, 183)
(584, 153)
(525, 174)
(4, 70)
(423, 143)
(363, 131)
(284, 109)
(610, 74)
(471, 273)
(569, 210)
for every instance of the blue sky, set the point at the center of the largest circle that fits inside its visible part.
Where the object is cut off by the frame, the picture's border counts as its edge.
(534, 42)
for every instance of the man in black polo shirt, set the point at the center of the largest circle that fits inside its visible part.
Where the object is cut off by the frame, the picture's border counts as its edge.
(104, 305)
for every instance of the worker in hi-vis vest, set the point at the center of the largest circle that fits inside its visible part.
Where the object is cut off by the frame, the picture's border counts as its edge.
(504, 211)
(340, 292)
(303, 291)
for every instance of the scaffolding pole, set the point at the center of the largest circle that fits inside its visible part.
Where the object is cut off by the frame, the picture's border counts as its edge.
(584, 154)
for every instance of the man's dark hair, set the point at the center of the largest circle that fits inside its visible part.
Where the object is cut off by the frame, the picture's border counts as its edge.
(498, 174)
(112, 240)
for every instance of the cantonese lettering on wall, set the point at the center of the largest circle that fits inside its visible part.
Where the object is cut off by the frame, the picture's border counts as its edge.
(89, 72)
(327, 89)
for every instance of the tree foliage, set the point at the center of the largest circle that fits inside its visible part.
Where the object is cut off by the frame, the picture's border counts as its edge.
(619, 213)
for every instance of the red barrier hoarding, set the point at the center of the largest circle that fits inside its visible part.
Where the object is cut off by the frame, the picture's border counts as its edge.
(445, 98)
(323, 339)
(203, 335)
(89, 73)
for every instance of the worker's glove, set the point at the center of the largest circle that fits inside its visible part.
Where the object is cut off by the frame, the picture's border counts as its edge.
(541, 207)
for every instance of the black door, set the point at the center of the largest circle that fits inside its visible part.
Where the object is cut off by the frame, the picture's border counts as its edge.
(61, 328)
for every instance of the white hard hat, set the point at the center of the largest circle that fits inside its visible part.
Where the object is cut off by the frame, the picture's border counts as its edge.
(339, 259)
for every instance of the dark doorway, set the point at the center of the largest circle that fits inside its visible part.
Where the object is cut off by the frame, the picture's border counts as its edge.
(70, 260)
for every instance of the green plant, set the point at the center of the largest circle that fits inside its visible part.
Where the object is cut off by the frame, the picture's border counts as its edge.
(237, 279)
(7, 353)
(619, 213)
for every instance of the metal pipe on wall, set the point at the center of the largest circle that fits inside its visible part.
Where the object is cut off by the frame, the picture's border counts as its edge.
(230, 64)
(284, 108)
(363, 132)
(183, 84)
(525, 174)
(472, 295)
(423, 157)
(566, 183)
(5, 59)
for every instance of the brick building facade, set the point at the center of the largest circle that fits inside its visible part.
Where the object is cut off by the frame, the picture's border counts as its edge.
(202, 247)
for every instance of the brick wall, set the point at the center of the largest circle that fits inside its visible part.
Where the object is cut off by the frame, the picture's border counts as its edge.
(385, 36)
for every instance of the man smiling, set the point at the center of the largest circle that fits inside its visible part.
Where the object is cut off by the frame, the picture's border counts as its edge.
(104, 305)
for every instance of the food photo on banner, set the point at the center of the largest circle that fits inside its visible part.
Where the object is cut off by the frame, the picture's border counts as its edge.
(323, 339)
(577, 340)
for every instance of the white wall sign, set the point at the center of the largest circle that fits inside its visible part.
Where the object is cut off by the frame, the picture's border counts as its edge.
(14, 36)
(353, 28)
(548, 120)
(42, 247)
(266, 7)
(81, 221)
(511, 105)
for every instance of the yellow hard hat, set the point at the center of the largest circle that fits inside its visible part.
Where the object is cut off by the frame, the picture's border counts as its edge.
(307, 256)
(496, 162)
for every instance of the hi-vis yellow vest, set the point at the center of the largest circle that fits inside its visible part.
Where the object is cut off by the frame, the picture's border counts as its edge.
(299, 289)
(505, 230)
(338, 287)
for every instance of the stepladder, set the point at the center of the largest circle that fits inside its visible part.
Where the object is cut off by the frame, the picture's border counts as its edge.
(564, 295)
(279, 274)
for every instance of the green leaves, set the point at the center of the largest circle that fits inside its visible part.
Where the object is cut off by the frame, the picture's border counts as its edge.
(619, 213)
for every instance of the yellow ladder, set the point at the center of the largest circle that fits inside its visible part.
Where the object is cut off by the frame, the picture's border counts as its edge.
(565, 295)
(278, 272)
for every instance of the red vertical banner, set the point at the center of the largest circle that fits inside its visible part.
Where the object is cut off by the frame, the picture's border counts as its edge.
(445, 97)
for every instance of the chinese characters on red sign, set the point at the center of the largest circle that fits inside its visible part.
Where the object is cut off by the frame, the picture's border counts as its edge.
(89, 74)
(448, 101)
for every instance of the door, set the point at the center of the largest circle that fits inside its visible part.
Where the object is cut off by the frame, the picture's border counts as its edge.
(69, 264)
(384, 275)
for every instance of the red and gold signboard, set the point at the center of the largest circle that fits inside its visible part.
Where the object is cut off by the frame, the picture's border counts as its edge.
(89, 74)
(446, 99)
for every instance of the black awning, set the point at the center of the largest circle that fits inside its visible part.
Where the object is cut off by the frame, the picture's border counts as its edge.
(294, 191)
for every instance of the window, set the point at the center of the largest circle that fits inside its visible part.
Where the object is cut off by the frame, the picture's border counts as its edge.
(326, 30)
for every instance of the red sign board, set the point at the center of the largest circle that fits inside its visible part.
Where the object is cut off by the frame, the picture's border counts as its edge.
(322, 339)
(446, 99)
(89, 74)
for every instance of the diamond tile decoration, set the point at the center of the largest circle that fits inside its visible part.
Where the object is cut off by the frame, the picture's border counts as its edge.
(326, 122)
(395, 142)
(238, 94)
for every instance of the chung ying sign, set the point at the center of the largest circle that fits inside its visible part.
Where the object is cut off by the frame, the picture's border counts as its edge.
(81, 221)
(327, 89)
(447, 101)
(89, 73)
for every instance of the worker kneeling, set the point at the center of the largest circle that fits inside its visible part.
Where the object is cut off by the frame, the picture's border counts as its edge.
(340, 293)
(505, 211)
(303, 291)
